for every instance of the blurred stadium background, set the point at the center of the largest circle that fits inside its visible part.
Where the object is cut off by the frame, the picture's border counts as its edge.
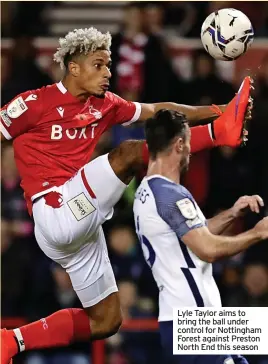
(157, 56)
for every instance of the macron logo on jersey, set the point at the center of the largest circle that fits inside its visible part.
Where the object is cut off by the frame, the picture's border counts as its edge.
(31, 97)
(60, 111)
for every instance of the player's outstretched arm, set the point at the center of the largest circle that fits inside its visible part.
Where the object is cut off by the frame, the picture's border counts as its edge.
(176, 207)
(219, 223)
(210, 248)
(227, 129)
(194, 114)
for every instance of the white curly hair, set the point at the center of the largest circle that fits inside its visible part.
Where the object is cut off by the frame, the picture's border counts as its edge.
(83, 41)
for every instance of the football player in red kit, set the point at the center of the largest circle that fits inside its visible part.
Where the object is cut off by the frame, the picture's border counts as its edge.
(55, 130)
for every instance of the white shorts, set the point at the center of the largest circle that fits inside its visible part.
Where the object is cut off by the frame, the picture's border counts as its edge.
(70, 233)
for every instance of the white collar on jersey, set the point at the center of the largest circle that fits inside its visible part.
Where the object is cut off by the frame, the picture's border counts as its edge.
(159, 176)
(60, 86)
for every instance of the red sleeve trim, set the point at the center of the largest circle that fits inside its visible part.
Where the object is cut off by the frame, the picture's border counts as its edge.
(5, 132)
(136, 115)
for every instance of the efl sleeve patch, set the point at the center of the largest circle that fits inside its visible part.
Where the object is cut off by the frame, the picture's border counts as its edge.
(16, 108)
(5, 118)
(187, 208)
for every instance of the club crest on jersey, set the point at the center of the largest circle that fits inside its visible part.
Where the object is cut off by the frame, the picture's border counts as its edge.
(187, 208)
(87, 116)
(96, 113)
(16, 108)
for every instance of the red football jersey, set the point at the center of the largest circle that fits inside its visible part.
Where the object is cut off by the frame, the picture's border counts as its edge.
(55, 134)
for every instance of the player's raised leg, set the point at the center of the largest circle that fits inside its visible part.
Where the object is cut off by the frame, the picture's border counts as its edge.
(228, 129)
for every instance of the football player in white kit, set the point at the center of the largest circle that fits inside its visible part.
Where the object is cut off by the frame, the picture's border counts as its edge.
(179, 244)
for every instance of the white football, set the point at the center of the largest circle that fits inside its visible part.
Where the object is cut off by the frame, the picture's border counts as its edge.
(226, 34)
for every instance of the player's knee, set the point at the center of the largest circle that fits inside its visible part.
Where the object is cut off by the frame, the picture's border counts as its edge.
(130, 153)
(127, 159)
(133, 152)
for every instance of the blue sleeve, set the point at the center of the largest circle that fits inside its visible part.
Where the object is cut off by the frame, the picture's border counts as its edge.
(175, 206)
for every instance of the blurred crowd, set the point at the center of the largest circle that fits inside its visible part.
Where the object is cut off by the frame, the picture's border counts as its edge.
(32, 286)
(181, 18)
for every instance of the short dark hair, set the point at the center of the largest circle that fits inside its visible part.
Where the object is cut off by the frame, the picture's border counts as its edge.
(162, 128)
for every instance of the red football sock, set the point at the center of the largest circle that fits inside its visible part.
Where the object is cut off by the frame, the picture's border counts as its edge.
(201, 138)
(59, 329)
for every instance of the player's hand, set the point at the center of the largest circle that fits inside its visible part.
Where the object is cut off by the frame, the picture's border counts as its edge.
(261, 228)
(247, 203)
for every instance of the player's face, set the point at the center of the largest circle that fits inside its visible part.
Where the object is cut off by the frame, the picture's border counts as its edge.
(185, 160)
(95, 73)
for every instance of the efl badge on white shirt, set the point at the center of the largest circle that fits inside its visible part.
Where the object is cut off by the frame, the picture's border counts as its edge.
(80, 206)
(16, 108)
(187, 208)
